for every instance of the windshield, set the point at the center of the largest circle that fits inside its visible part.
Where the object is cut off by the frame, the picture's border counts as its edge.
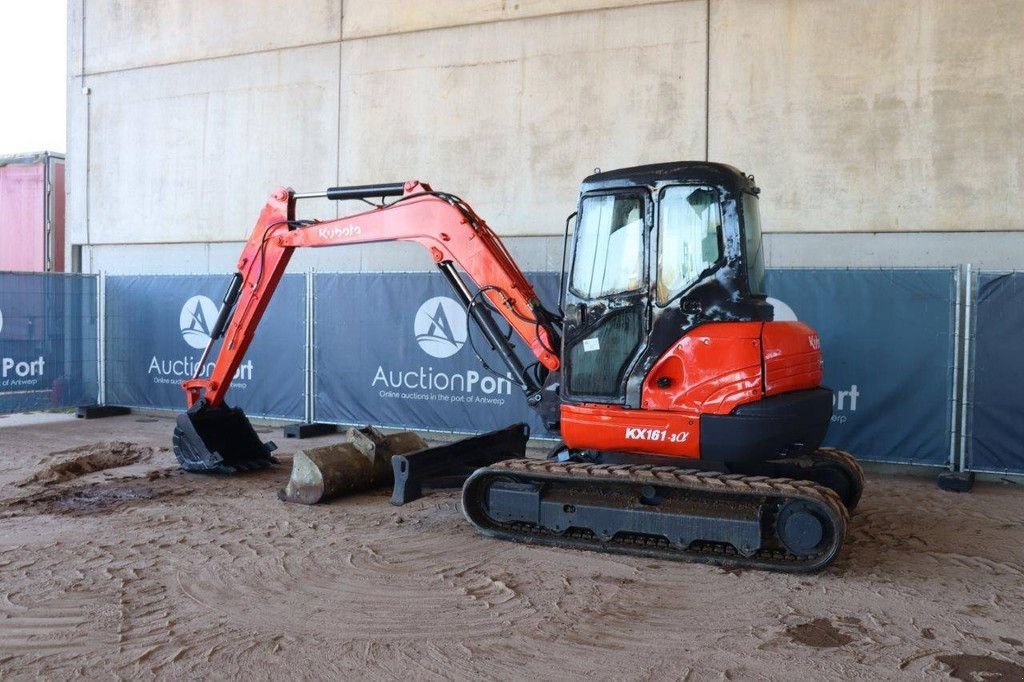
(609, 246)
(689, 237)
(753, 245)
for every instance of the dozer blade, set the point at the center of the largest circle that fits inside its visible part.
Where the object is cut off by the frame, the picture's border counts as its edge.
(449, 465)
(219, 440)
(361, 463)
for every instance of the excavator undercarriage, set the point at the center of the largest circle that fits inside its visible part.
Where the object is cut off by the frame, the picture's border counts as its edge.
(660, 512)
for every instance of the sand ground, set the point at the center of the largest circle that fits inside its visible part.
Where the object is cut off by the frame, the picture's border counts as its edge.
(115, 563)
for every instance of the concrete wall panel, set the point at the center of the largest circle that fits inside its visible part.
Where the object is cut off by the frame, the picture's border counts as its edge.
(190, 152)
(364, 18)
(77, 140)
(75, 9)
(533, 254)
(511, 116)
(876, 129)
(873, 116)
(135, 33)
(988, 251)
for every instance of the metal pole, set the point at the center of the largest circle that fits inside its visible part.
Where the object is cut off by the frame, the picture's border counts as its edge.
(953, 412)
(310, 307)
(964, 388)
(101, 336)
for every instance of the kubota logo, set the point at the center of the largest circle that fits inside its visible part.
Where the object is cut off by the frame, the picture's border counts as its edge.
(338, 232)
(196, 319)
(440, 327)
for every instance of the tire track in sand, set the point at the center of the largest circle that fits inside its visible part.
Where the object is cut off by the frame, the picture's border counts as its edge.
(414, 588)
(404, 589)
(66, 623)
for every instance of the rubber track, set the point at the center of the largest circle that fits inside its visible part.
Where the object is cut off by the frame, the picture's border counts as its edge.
(847, 460)
(645, 474)
(843, 457)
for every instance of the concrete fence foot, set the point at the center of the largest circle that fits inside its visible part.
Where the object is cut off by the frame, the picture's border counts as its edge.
(309, 430)
(101, 411)
(956, 481)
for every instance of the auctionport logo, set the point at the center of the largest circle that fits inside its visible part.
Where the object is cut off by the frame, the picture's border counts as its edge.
(195, 322)
(16, 373)
(197, 317)
(440, 327)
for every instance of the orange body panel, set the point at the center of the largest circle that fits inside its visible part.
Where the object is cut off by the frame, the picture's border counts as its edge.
(712, 370)
(613, 427)
(792, 357)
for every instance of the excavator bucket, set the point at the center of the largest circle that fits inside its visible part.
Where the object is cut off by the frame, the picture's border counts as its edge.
(361, 462)
(219, 440)
(368, 459)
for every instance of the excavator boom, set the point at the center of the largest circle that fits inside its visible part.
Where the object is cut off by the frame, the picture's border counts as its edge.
(451, 232)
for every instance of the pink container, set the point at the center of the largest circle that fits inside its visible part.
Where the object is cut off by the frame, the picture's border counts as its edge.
(32, 212)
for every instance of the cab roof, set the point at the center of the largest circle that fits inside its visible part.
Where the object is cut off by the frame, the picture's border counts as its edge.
(652, 175)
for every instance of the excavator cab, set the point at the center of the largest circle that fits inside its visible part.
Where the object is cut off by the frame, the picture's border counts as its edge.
(656, 251)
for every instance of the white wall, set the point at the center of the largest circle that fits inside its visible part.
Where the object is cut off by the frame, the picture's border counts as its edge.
(861, 115)
(856, 116)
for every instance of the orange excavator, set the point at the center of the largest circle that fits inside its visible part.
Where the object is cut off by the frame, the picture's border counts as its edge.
(690, 421)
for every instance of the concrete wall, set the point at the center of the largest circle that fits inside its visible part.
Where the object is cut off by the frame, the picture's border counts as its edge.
(881, 133)
(874, 116)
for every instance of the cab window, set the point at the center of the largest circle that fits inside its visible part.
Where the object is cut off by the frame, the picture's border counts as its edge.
(609, 246)
(689, 237)
(754, 244)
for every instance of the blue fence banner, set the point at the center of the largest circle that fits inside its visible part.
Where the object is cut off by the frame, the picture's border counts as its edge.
(996, 442)
(158, 326)
(394, 349)
(48, 341)
(888, 341)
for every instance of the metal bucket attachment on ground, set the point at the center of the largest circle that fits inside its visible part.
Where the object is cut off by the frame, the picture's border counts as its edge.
(361, 463)
(219, 440)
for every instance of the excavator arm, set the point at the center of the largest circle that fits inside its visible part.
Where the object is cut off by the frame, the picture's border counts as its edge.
(213, 437)
(446, 226)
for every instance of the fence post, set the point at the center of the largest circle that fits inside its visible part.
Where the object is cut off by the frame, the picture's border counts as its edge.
(953, 411)
(310, 411)
(101, 409)
(958, 479)
(966, 363)
(309, 427)
(101, 337)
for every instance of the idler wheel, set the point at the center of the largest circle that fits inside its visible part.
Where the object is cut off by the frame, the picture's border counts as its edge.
(801, 528)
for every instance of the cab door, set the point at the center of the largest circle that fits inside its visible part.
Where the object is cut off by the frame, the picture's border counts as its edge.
(606, 299)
